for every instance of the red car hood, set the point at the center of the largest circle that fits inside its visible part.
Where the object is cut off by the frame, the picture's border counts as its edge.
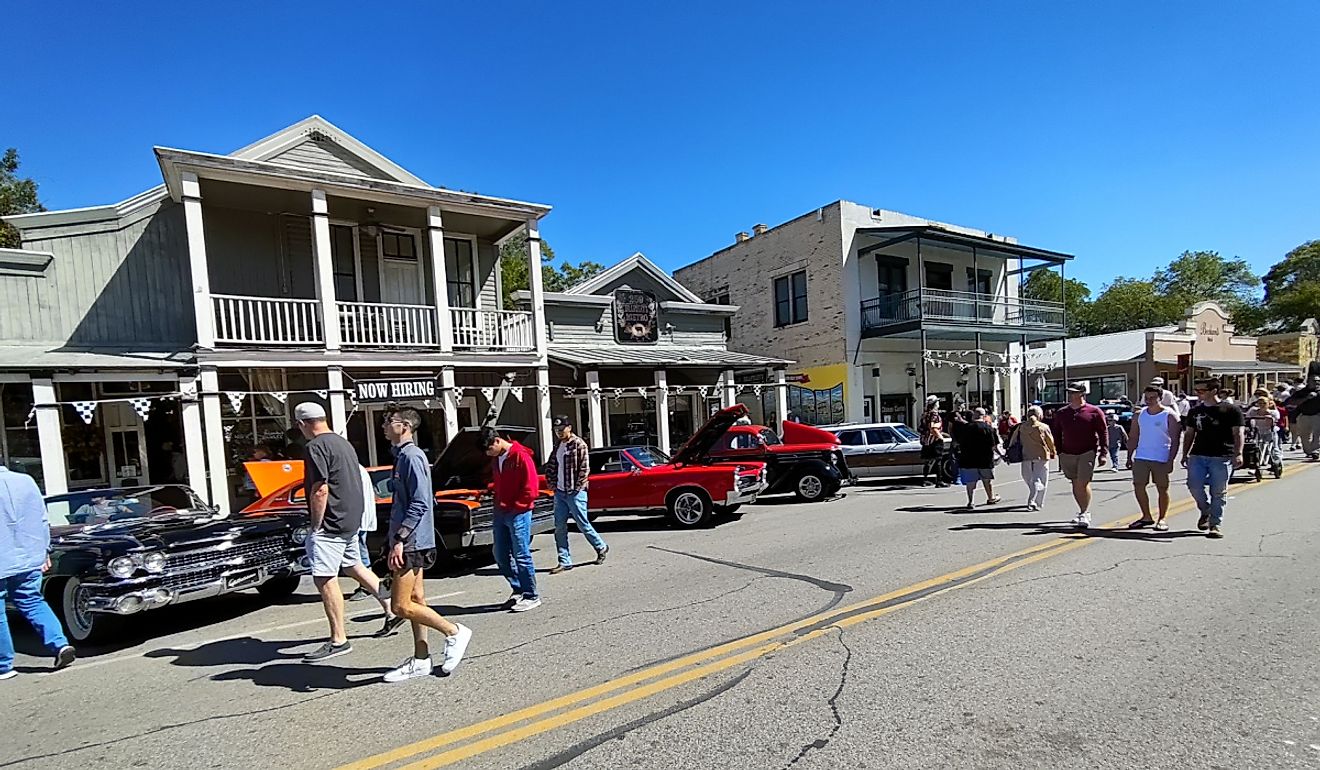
(797, 437)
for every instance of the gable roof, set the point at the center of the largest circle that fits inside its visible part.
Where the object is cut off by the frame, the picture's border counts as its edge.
(1098, 349)
(316, 129)
(638, 262)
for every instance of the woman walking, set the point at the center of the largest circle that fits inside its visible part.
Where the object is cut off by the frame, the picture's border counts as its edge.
(1037, 452)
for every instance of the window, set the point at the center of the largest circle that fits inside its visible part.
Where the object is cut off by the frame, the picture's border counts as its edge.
(791, 298)
(721, 297)
(891, 274)
(881, 436)
(979, 282)
(343, 262)
(19, 448)
(939, 276)
(605, 462)
(851, 438)
(398, 246)
(460, 273)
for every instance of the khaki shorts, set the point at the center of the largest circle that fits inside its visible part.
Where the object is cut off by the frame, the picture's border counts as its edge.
(1077, 467)
(1145, 470)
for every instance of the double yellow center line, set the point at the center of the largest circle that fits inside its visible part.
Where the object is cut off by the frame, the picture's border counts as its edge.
(549, 715)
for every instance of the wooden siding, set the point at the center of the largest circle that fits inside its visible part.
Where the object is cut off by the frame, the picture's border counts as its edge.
(488, 261)
(243, 253)
(636, 279)
(121, 283)
(326, 156)
(576, 325)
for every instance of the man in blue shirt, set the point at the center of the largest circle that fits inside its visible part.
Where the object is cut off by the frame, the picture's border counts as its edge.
(24, 557)
(412, 550)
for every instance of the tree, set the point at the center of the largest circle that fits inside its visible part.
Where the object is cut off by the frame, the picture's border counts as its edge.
(1046, 285)
(554, 277)
(17, 196)
(1292, 288)
(1196, 276)
(1130, 303)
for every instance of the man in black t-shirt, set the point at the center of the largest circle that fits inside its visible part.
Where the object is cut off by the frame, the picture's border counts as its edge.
(978, 443)
(1212, 448)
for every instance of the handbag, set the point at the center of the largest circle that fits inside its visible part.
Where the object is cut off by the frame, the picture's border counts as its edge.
(1013, 454)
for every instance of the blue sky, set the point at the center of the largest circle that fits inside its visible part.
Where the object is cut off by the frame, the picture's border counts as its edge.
(1122, 132)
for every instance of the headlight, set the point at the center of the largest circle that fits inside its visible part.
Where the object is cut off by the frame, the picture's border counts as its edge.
(122, 567)
(154, 562)
(299, 535)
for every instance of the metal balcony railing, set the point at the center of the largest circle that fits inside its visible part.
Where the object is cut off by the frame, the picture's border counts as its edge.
(960, 308)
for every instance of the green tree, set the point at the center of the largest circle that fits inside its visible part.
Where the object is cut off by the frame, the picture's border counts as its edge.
(554, 276)
(17, 196)
(1129, 303)
(1048, 286)
(1196, 276)
(1292, 288)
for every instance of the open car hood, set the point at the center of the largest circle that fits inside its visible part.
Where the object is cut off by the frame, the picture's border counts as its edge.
(797, 433)
(463, 464)
(699, 445)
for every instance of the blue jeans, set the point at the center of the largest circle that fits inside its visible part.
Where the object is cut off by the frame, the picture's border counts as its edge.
(24, 590)
(573, 504)
(513, 551)
(1210, 473)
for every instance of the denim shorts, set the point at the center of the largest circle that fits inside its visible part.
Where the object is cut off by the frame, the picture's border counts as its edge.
(973, 475)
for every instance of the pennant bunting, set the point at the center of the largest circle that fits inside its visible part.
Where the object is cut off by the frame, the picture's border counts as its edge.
(544, 390)
(757, 389)
(85, 410)
(517, 393)
(31, 413)
(236, 402)
(320, 393)
(458, 393)
(704, 390)
(280, 396)
(641, 392)
(488, 394)
(569, 392)
(142, 406)
(426, 402)
(228, 431)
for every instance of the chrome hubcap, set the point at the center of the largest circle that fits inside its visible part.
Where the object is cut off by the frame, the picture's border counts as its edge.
(77, 612)
(688, 508)
(810, 487)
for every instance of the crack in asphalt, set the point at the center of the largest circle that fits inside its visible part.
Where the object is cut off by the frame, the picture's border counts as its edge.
(582, 747)
(163, 728)
(675, 608)
(833, 702)
(1120, 562)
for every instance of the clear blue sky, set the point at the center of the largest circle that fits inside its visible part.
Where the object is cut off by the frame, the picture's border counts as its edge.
(1122, 132)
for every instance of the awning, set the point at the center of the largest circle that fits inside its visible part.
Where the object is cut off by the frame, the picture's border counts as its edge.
(1240, 367)
(27, 357)
(659, 356)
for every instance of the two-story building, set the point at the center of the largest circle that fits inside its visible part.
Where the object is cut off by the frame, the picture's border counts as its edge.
(163, 337)
(880, 309)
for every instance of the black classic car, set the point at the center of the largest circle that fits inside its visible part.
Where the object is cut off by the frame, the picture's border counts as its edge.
(805, 461)
(118, 552)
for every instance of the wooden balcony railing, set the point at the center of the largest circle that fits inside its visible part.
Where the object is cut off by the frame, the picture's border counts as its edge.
(501, 330)
(375, 324)
(266, 320)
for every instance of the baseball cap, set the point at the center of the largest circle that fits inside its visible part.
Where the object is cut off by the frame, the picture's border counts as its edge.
(1076, 387)
(932, 399)
(562, 421)
(1157, 381)
(308, 411)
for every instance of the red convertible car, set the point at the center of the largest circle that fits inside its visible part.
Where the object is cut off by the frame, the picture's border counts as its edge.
(688, 488)
(806, 461)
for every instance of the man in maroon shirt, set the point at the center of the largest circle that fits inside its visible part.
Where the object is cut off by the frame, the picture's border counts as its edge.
(1083, 439)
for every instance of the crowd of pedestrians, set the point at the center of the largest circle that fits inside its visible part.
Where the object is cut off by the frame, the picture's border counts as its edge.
(1210, 435)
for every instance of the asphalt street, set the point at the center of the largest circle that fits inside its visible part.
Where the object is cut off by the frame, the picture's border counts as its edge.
(889, 628)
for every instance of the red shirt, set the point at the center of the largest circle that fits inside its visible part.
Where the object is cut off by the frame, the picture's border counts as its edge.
(1078, 431)
(516, 484)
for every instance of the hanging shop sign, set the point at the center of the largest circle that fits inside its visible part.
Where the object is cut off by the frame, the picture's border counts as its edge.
(636, 316)
(385, 391)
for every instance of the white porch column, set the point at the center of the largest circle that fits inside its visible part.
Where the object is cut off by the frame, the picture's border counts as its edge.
(55, 477)
(325, 269)
(730, 392)
(203, 314)
(444, 322)
(534, 283)
(450, 403)
(544, 428)
(215, 439)
(781, 399)
(662, 409)
(194, 447)
(593, 410)
(338, 401)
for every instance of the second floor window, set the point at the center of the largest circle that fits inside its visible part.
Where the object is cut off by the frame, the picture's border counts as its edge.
(460, 272)
(721, 297)
(791, 298)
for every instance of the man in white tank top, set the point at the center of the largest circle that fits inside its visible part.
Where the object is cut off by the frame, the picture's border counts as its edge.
(1152, 448)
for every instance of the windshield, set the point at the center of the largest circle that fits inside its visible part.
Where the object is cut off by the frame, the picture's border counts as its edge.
(769, 437)
(906, 432)
(647, 456)
(106, 505)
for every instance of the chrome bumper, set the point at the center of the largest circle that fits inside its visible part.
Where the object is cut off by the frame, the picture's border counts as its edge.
(150, 598)
(738, 497)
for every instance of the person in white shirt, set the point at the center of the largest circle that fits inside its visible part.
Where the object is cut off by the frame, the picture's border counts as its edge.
(1152, 448)
(1167, 398)
(368, 582)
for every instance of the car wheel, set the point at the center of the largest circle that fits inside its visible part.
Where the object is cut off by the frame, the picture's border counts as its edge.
(690, 508)
(280, 587)
(948, 469)
(82, 625)
(810, 487)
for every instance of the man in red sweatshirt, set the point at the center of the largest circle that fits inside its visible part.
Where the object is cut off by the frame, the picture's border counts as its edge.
(1082, 437)
(516, 489)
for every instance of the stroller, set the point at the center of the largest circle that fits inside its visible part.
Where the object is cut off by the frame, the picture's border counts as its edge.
(1261, 452)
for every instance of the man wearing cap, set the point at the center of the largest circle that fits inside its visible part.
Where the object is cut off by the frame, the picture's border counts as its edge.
(1167, 399)
(931, 432)
(332, 484)
(567, 471)
(1082, 438)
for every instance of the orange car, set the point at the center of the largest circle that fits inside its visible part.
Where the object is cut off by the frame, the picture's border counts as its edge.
(461, 478)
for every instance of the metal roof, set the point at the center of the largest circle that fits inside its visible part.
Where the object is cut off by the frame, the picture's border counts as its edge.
(1231, 367)
(35, 357)
(1100, 349)
(657, 355)
(933, 233)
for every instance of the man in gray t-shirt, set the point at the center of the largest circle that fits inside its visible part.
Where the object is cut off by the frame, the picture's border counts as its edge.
(333, 486)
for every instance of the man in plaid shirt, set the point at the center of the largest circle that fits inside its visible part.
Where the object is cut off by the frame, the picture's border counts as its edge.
(567, 471)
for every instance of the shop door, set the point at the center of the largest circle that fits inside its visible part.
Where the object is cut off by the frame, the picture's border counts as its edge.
(127, 445)
(400, 269)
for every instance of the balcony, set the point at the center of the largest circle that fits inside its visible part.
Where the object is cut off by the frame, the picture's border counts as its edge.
(958, 314)
(281, 322)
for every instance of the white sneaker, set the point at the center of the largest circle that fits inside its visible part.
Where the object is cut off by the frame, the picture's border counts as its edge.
(1032, 507)
(410, 669)
(513, 599)
(526, 604)
(1082, 520)
(10, 674)
(455, 646)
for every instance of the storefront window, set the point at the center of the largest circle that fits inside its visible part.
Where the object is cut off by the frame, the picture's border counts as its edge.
(631, 420)
(816, 407)
(19, 448)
